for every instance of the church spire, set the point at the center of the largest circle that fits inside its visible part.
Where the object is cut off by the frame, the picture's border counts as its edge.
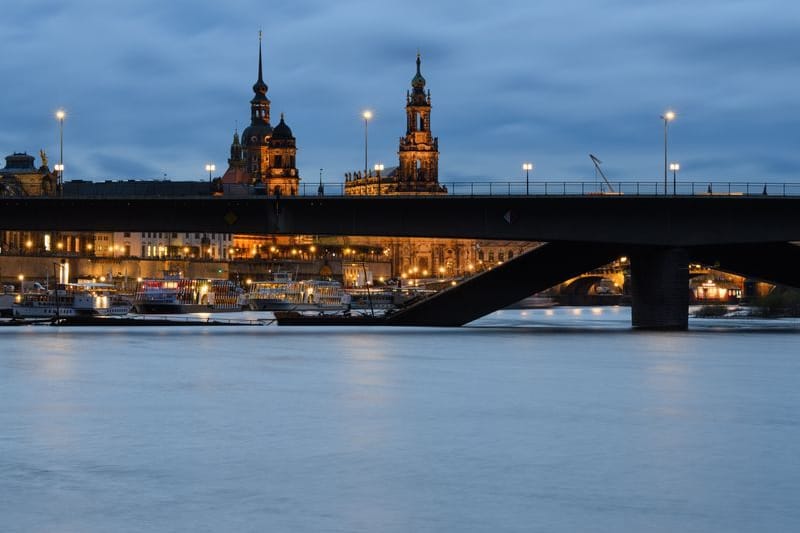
(260, 88)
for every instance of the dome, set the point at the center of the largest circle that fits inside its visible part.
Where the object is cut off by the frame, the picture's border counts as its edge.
(282, 131)
(258, 130)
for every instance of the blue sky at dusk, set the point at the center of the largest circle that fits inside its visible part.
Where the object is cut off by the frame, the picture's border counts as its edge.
(155, 87)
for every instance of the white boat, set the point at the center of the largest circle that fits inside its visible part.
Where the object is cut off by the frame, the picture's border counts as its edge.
(71, 299)
(172, 296)
(283, 293)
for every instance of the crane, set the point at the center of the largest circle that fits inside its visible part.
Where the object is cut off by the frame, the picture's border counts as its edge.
(597, 166)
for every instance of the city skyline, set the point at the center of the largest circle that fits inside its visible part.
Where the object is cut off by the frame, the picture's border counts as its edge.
(157, 90)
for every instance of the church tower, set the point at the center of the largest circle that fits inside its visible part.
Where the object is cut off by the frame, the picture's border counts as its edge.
(256, 137)
(419, 149)
(264, 156)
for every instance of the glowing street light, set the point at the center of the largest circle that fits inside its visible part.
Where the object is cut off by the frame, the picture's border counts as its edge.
(210, 167)
(667, 117)
(527, 167)
(367, 116)
(674, 167)
(60, 116)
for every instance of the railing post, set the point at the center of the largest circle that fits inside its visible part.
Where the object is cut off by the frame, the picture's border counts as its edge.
(545, 188)
(509, 188)
(471, 189)
(490, 188)
(582, 190)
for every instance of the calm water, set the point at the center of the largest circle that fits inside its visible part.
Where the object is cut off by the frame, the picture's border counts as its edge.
(510, 425)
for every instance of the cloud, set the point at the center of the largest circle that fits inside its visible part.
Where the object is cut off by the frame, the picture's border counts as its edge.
(154, 87)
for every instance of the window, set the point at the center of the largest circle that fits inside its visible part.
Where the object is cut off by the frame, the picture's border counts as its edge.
(501, 256)
(480, 255)
(510, 255)
(491, 257)
(143, 234)
(127, 234)
(278, 161)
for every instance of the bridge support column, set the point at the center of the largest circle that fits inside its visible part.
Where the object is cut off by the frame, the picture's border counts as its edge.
(660, 288)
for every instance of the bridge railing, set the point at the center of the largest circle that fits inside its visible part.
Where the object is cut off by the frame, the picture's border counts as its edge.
(467, 188)
(589, 188)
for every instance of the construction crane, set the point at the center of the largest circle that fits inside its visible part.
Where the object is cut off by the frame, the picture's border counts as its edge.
(600, 170)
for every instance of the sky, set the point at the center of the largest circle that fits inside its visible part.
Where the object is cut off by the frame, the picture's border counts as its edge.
(155, 88)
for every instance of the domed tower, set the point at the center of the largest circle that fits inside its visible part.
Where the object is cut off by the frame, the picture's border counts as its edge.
(256, 137)
(419, 149)
(237, 156)
(283, 150)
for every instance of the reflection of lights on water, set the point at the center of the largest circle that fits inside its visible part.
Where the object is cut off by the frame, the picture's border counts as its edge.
(549, 312)
(577, 311)
(524, 313)
(597, 311)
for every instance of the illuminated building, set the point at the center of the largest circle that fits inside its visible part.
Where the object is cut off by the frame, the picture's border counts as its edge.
(264, 156)
(418, 170)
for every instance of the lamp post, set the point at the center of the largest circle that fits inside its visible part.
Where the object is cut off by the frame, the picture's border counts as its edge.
(527, 167)
(378, 169)
(210, 167)
(60, 115)
(667, 117)
(674, 167)
(320, 189)
(367, 116)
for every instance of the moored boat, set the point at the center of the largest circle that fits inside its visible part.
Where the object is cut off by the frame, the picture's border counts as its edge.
(72, 299)
(176, 296)
(283, 293)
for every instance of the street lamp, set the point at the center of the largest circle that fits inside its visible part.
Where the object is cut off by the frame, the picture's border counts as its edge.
(667, 117)
(674, 167)
(321, 188)
(367, 116)
(378, 169)
(210, 167)
(60, 115)
(527, 167)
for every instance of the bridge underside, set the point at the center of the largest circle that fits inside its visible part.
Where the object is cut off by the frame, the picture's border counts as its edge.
(659, 276)
(534, 271)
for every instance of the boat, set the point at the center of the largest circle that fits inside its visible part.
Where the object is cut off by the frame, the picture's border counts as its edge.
(180, 295)
(381, 298)
(7, 301)
(294, 318)
(283, 293)
(71, 300)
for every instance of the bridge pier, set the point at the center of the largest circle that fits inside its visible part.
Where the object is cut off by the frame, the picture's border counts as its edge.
(660, 288)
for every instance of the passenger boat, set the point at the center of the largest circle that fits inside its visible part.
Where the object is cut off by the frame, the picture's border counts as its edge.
(283, 293)
(72, 299)
(175, 296)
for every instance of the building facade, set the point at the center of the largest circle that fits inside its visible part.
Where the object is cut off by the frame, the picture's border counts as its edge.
(418, 152)
(264, 156)
(20, 177)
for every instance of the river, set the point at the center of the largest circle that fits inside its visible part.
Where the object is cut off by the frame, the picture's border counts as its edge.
(543, 420)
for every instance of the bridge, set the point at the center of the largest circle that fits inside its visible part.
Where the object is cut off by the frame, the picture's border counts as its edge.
(750, 235)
